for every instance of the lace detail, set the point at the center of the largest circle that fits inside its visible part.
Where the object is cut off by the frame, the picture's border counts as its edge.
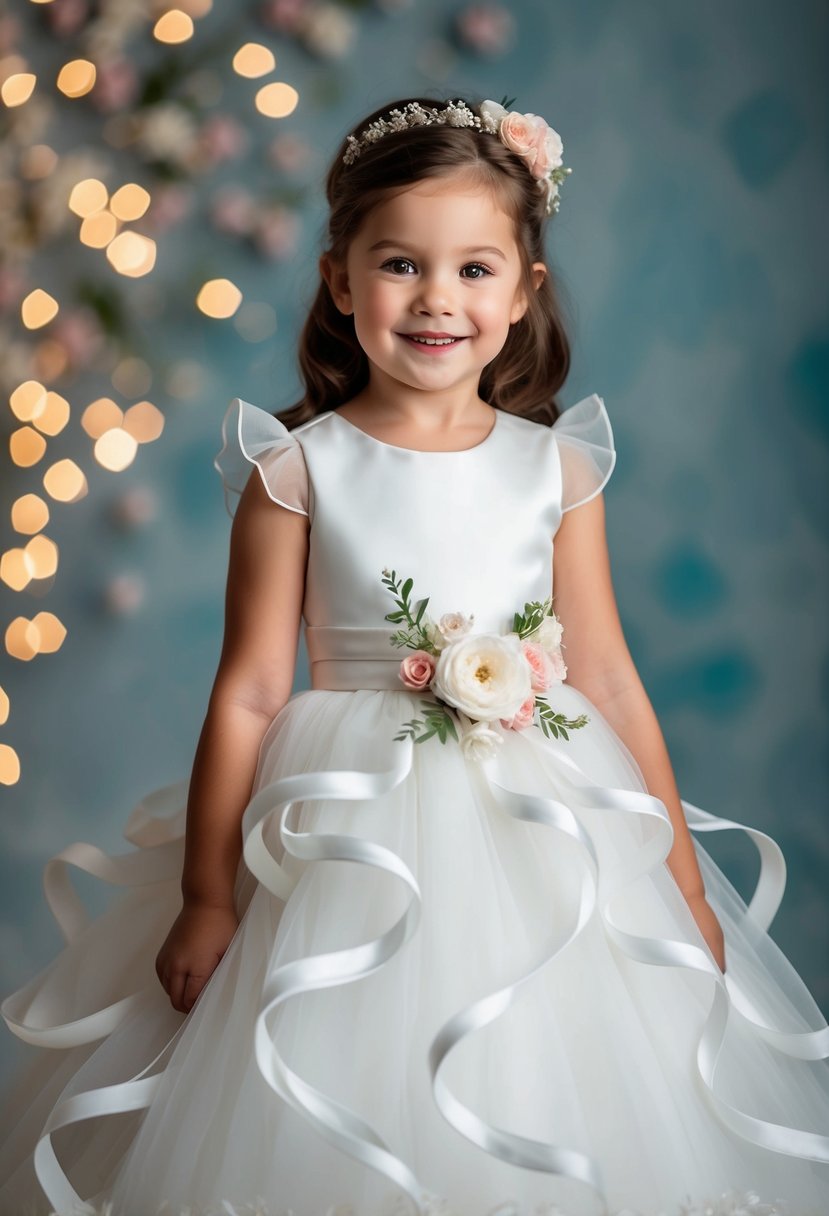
(728, 1203)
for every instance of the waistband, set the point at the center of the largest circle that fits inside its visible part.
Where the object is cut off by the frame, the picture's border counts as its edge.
(348, 657)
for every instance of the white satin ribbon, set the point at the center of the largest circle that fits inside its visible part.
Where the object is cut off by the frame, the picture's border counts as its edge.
(336, 1123)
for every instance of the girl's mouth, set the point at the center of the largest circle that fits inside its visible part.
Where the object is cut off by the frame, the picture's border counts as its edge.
(431, 346)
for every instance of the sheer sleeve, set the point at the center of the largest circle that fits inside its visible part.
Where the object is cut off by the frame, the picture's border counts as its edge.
(587, 451)
(252, 436)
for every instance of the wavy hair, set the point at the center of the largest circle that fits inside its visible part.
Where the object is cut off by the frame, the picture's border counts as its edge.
(534, 361)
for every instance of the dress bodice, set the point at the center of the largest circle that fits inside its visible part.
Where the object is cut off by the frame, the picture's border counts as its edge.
(474, 529)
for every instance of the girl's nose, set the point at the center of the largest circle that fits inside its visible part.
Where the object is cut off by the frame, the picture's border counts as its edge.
(434, 294)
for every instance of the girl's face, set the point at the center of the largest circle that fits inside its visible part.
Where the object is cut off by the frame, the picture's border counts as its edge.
(438, 258)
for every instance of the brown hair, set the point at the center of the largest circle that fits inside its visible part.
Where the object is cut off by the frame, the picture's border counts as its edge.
(535, 359)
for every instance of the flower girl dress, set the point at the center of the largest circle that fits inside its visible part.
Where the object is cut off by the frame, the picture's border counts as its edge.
(466, 985)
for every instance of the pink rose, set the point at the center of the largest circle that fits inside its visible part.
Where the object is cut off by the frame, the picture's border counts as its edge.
(417, 669)
(523, 133)
(541, 665)
(523, 718)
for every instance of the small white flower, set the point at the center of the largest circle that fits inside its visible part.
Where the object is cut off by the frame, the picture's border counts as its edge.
(548, 634)
(492, 113)
(454, 625)
(479, 741)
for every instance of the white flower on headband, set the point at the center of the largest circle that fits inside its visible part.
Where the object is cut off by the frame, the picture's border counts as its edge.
(528, 135)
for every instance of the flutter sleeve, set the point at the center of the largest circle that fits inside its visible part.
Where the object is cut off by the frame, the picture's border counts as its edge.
(587, 450)
(252, 436)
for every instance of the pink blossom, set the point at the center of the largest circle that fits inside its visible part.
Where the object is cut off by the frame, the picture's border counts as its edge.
(222, 138)
(287, 16)
(541, 665)
(79, 333)
(288, 152)
(66, 16)
(116, 85)
(524, 717)
(276, 231)
(171, 202)
(13, 284)
(417, 669)
(233, 211)
(486, 28)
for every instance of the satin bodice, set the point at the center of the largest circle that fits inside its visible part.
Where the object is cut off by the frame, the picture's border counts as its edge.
(474, 529)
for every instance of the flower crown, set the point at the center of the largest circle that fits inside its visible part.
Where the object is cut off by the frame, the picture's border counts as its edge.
(528, 135)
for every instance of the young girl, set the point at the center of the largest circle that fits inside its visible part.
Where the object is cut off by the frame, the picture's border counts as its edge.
(432, 936)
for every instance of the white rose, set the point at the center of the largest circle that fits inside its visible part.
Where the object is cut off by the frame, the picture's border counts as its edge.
(549, 633)
(485, 675)
(454, 625)
(480, 741)
(492, 113)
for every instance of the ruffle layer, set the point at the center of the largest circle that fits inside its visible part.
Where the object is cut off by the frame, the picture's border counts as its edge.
(251, 435)
(587, 450)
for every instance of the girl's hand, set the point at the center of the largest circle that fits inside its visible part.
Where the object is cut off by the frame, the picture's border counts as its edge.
(192, 949)
(709, 926)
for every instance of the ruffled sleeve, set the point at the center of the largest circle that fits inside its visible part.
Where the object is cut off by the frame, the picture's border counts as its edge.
(252, 436)
(587, 451)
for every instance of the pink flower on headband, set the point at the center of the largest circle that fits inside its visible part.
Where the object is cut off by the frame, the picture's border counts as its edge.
(529, 136)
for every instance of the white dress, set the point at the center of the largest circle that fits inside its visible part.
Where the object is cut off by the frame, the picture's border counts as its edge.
(459, 985)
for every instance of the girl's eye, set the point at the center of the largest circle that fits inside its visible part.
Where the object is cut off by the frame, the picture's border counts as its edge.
(395, 262)
(479, 266)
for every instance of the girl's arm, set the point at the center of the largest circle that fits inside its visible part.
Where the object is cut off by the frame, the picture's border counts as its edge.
(600, 665)
(263, 606)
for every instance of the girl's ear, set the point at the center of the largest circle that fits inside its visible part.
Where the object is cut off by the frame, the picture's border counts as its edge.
(337, 279)
(521, 303)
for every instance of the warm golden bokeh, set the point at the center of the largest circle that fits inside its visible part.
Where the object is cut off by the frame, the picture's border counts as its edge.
(53, 418)
(129, 202)
(29, 514)
(38, 309)
(16, 569)
(18, 88)
(254, 60)
(173, 26)
(52, 632)
(26, 446)
(9, 765)
(77, 77)
(28, 400)
(42, 554)
(88, 196)
(132, 254)
(22, 639)
(276, 100)
(98, 230)
(219, 298)
(115, 450)
(100, 416)
(144, 421)
(65, 481)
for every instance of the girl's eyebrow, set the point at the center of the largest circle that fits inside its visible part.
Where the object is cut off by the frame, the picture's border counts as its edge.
(465, 252)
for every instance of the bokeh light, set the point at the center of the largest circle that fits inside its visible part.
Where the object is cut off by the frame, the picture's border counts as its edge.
(76, 78)
(277, 100)
(219, 298)
(38, 309)
(254, 60)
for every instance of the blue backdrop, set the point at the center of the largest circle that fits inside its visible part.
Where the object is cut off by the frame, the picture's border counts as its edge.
(687, 247)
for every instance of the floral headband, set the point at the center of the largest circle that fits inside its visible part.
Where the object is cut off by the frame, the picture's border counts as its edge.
(528, 135)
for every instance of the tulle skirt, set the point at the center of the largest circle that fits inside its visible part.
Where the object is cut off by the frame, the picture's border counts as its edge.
(456, 987)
